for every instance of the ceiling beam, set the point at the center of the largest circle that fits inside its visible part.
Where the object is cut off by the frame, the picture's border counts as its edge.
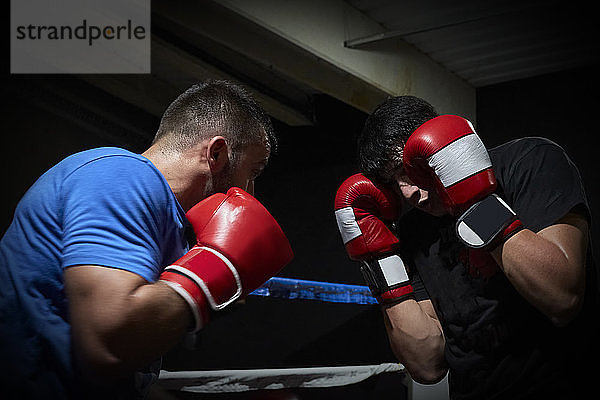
(387, 68)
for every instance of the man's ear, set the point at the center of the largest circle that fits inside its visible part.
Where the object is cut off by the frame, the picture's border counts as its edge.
(217, 153)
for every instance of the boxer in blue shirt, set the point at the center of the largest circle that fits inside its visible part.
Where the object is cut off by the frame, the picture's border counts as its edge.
(84, 301)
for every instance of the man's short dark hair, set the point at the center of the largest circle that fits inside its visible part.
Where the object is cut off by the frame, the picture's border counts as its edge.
(385, 132)
(214, 108)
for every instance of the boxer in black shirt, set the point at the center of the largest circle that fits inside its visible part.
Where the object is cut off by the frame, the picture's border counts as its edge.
(498, 285)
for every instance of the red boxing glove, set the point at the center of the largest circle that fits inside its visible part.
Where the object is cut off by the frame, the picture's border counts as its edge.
(360, 209)
(239, 247)
(446, 156)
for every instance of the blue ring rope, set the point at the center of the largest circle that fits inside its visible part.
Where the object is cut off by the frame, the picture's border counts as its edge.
(287, 288)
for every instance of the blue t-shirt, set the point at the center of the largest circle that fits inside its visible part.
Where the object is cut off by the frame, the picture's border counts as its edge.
(106, 207)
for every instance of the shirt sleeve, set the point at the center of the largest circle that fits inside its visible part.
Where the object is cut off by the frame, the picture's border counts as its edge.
(545, 185)
(114, 208)
(418, 287)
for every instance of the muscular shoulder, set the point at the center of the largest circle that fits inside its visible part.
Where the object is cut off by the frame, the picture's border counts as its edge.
(117, 176)
(119, 212)
(517, 154)
(539, 180)
(110, 163)
(524, 145)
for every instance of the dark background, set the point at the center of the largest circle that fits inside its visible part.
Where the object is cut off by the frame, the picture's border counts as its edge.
(46, 118)
(42, 126)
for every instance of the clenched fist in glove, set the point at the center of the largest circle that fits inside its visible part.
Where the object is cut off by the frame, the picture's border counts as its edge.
(239, 247)
(446, 156)
(361, 208)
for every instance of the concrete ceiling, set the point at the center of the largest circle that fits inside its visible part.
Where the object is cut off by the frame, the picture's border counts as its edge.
(488, 42)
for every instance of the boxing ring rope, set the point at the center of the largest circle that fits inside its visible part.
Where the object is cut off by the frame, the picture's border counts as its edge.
(229, 381)
(312, 290)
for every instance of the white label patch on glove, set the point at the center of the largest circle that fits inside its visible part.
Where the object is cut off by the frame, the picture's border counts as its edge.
(460, 159)
(347, 224)
(393, 270)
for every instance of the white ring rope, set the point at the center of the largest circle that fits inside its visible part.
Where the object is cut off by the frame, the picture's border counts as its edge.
(228, 381)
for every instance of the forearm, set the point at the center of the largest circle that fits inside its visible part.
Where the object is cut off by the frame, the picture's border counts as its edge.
(120, 328)
(416, 339)
(541, 271)
(153, 320)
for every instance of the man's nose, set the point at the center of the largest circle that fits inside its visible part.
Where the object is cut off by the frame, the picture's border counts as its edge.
(411, 193)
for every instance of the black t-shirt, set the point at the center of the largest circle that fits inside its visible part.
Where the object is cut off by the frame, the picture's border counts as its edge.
(497, 344)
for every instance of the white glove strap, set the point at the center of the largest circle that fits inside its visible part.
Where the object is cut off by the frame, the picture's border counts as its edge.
(346, 221)
(211, 301)
(198, 320)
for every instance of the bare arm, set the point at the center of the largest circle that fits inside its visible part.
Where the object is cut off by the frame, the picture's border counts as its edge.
(416, 338)
(119, 322)
(548, 267)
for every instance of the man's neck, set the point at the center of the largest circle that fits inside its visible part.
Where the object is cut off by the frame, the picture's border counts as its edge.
(179, 171)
